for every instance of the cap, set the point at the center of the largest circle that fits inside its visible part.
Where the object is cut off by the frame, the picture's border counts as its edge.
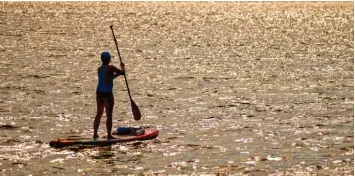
(105, 56)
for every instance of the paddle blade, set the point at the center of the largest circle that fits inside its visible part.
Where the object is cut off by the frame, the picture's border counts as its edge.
(135, 111)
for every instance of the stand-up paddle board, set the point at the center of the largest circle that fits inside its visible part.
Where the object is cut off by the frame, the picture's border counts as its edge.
(149, 133)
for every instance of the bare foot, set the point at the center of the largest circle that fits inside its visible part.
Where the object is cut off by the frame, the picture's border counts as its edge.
(110, 137)
(95, 136)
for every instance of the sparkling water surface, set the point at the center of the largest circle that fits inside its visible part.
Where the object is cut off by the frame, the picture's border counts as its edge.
(240, 88)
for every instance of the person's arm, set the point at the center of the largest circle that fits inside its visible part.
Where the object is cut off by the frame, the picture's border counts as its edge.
(117, 72)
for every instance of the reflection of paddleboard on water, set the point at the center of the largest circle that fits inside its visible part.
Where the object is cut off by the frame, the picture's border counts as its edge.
(122, 135)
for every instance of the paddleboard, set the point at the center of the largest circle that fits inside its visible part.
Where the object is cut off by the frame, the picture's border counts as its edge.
(149, 133)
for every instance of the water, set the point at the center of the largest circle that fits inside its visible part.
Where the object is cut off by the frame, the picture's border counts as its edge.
(234, 88)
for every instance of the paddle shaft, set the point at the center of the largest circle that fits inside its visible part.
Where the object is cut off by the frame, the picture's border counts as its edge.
(135, 110)
(119, 55)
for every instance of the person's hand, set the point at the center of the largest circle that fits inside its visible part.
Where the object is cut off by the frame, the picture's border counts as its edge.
(122, 66)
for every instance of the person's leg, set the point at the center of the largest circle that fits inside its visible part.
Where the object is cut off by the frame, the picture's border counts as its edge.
(109, 110)
(100, 111)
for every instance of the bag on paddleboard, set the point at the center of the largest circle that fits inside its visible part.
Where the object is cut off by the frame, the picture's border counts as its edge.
(130, 131)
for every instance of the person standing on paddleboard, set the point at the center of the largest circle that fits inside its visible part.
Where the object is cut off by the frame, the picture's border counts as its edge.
(104, 95)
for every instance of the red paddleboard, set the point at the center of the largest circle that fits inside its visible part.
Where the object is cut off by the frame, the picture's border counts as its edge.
(150, 133)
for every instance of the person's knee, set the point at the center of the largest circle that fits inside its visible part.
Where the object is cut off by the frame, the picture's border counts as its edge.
(99, 114)
(97, 119)
(109, 114)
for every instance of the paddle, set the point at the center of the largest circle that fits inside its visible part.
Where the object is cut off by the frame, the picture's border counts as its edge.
(135, 111)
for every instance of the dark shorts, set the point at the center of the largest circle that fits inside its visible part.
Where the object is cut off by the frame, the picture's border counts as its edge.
(104, 95)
